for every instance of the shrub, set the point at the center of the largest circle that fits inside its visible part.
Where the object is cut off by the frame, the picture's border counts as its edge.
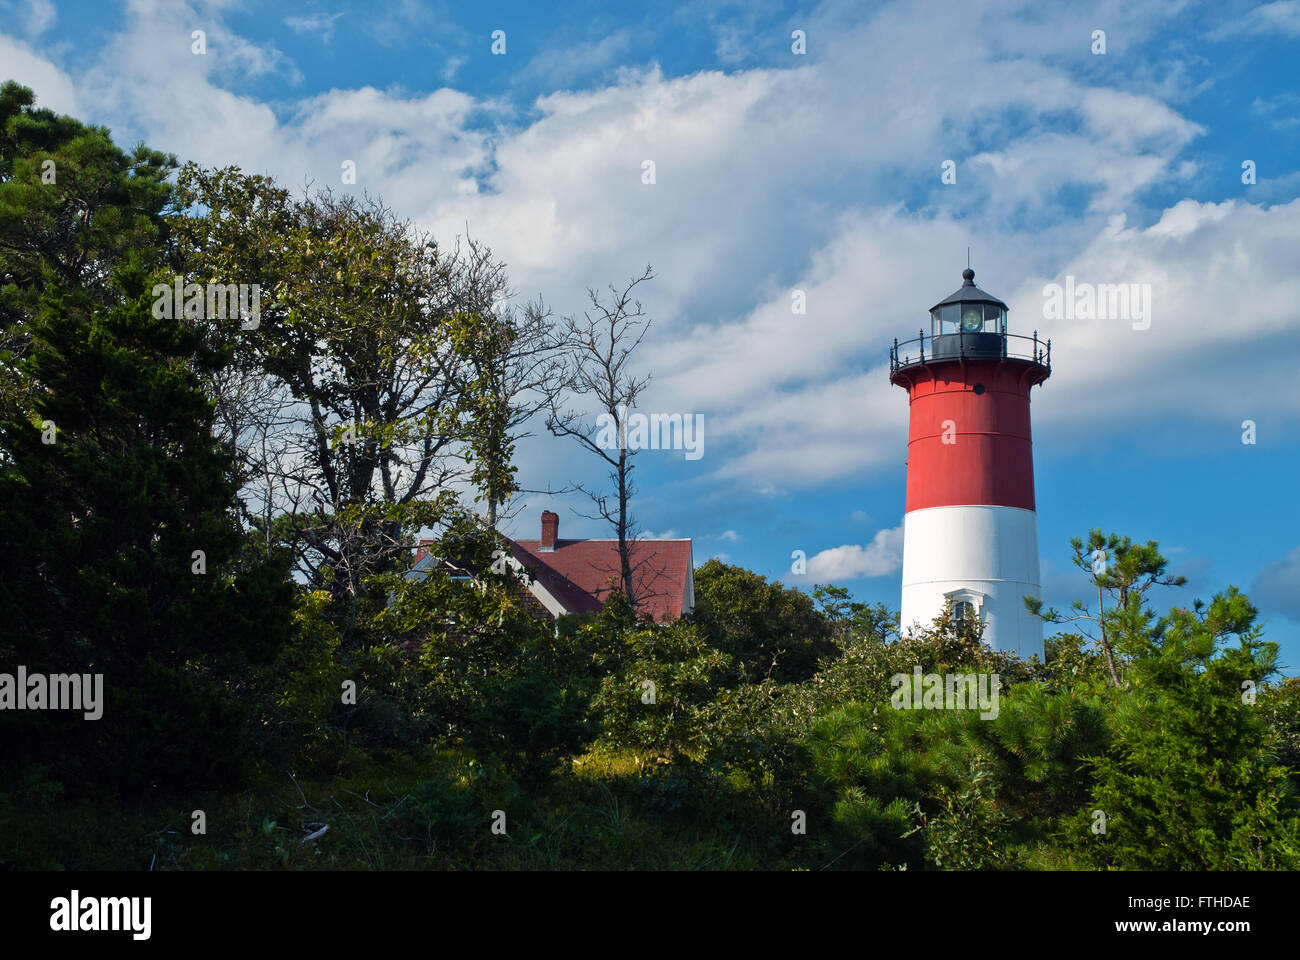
(770, 630)
(666, 678)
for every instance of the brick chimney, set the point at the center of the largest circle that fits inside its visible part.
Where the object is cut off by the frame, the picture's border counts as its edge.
(550, 529)
(423, 549)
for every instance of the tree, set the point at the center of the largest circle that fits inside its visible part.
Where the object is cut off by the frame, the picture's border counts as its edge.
(122, 558)
(1125, 571)
(516, 368)
(490, 669)
(123, 553)
(372, 409)
(72, 206)
(1190, 781)
(770, 629)
(850, 618)
(604, 341)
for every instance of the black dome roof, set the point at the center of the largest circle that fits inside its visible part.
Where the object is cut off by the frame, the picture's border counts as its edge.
(969, 293)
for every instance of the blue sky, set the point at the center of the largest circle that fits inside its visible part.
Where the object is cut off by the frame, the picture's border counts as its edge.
(820, 172)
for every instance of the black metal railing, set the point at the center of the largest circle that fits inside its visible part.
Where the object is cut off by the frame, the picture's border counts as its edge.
(972, 346)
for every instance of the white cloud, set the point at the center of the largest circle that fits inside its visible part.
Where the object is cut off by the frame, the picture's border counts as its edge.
(564, 64)
(40, 15)
(775, 179)
(884, 555)
(320, 23)
(1280, 111)
(53, 88)
(1223, 301)
(1280, 17)
(451, 67)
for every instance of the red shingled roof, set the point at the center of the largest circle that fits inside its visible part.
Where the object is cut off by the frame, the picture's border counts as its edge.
(581, 573)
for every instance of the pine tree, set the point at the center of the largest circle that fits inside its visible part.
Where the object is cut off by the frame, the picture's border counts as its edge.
(1191, 780)
(123, 553)
(72, 206)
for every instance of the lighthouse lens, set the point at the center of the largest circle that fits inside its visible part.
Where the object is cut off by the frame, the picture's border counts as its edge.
(971, 321)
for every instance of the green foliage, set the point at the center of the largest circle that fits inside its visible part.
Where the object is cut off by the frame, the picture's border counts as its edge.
(1074, 660)
(1035, 747)
(662, 679)
(1115, 565)
(1279, 705)
(971, 831)
(444, 657)
(771, 631)
(1191, 781)
(73, 209)
(876, 765)
(849, 618)
(103, 524)
(971, 788)
(947, 788)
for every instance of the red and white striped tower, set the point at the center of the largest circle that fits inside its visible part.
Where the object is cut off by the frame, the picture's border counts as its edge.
(970, 534)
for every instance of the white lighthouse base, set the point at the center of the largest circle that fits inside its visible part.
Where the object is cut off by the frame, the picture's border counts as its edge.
(985, 555)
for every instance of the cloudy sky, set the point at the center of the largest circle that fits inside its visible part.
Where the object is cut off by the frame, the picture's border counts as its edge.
(1171, 159)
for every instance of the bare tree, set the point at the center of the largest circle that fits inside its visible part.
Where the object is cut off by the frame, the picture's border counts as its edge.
(602, 376)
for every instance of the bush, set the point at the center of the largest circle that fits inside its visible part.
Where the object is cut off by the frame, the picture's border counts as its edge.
(971, 831)
(667, 677)
(770, 630)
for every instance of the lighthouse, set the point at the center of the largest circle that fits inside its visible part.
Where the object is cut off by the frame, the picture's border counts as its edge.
(970, 533)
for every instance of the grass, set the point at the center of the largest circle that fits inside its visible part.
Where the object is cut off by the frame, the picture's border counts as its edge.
(607, 809)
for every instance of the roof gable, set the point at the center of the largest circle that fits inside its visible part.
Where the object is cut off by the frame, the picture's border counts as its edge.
(581, 574)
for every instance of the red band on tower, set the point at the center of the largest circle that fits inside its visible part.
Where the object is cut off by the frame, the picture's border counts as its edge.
(969, 439)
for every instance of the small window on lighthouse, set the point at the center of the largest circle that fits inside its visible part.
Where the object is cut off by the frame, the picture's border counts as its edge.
(963, 612)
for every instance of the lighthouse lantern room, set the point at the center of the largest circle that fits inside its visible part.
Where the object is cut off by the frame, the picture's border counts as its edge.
(970, 533)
